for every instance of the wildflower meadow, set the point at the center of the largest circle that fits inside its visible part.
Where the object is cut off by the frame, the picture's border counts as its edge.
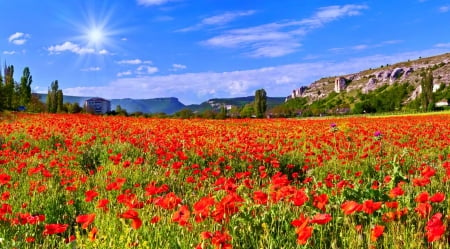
(85, 181)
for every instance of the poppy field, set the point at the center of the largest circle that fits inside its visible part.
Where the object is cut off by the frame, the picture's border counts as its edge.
(84, 181)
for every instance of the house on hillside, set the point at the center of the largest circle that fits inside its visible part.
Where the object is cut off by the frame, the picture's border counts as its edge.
(97, 105)
(339, 84)
(442, 103)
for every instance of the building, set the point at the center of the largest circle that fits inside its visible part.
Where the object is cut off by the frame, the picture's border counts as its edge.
(442, 103)
(97, 105)
(339, 84)
(296, 93)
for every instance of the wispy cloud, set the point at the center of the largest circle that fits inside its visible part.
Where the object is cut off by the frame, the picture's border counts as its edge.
(277, 81)
(146, 70)
(361, 47)
(18, 38)
(126, 73)
(91, 69)
(218, 20)
(153, 2)
(444, 9)
(9, 52)
(71, 47)
(443, 45)
(134, 62)
(177, 67)
(280, 38)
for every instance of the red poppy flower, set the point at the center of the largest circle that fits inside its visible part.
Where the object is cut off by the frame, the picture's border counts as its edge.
(321, 219)
(134, 216)
(85, 219)
(4, 179)
(181, 216)
(90, 195)
(54, 229)
(349, 207)
(303, 231)
(376, 232)
(438, 197)
(435, 228)
(422, 197)
(370, 206)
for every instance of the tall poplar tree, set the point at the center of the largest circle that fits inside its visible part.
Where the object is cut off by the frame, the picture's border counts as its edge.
(2, 96)
(9, 86)
(427, 96)
(260, 104)
(55, 98)
(25, 87)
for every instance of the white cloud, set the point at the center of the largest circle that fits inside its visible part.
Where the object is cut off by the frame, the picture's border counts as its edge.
(18, 38)
(277, 81)
(124, 39)
(9, 52)
(280, 38)
(91, 69)
(221, 19)
(444, 9)
(103, 51)
(176, 67)
(152, 2)
(146, 70)
(130, 62)
(443, 45)
(361, 47)
(70, 47)
(126, 73)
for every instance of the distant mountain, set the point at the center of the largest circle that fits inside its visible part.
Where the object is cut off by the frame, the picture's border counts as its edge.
(156, 105)
(170, 105)
(216, 103)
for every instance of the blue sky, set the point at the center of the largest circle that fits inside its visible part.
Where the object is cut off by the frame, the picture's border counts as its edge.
(202, 49)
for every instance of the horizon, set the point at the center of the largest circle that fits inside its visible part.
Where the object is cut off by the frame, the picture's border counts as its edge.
(195, 51)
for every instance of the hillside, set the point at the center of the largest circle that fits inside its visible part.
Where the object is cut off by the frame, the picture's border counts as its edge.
(216, 103)
(387, 88)
(371, 79)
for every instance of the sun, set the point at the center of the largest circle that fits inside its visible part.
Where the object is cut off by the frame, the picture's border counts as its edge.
(95, 36)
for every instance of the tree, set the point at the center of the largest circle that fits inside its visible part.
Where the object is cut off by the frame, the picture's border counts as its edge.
(247, 111)
(222, 113)
(55, 98)
(121, 111)
(25, 87)
(427, 96)
(260, 104)
(8, 89)
(2, 100)
(184, 113)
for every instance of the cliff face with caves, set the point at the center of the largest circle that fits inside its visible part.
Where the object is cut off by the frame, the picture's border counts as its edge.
(371, 79)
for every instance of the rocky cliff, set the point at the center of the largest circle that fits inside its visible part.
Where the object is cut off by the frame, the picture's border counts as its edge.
(371, 79)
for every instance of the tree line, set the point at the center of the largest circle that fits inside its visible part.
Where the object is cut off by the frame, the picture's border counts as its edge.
(18, 96)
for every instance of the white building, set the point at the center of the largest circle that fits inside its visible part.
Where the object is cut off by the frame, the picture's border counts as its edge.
(97, 105)
(339, 84)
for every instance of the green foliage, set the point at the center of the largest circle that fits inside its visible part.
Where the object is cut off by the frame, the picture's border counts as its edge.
(55, 98)
(384, 99)
(260, 103)
(427, 96)
(247, 111)
(184, 113)
(290, 108)
(25, 87)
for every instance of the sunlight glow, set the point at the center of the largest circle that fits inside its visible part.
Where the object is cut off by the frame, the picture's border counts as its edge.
(95, 36)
